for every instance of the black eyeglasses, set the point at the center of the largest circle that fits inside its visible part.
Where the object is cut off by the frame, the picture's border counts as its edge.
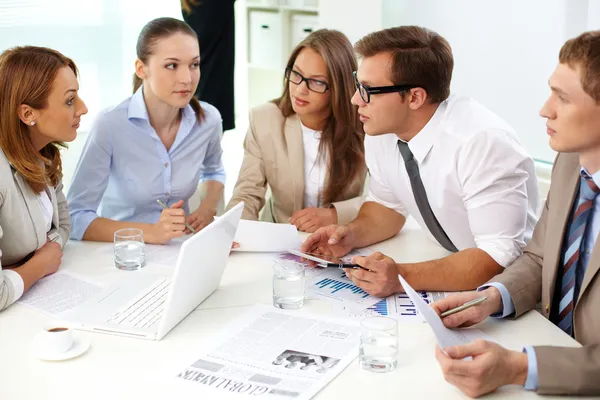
(313, 85)
(366, 92)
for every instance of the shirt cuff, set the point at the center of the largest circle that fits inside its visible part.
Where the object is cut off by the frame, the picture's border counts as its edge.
(508, 307)
(218, 176)
(80, 222)
(532, 371)
(16, 282)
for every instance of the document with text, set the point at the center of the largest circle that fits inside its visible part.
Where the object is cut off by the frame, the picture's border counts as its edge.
(445, 337)
(275, 354)
(58, 293)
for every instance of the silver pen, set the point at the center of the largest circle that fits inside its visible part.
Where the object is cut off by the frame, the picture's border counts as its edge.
(163, 205)
(464, 306)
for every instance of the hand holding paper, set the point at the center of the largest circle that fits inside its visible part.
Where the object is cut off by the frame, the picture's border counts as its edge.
(444, 336)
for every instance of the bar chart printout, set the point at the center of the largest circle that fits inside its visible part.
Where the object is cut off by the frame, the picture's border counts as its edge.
(332, 283)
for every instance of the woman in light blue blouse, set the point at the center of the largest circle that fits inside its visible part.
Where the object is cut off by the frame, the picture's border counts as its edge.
(159, 144)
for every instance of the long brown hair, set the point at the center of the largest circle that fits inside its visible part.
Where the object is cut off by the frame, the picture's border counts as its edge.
(343, 136)
(26, 77)
(151, 33)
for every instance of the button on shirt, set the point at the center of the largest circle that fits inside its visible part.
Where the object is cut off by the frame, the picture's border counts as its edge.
(480, 183)
(124, 167)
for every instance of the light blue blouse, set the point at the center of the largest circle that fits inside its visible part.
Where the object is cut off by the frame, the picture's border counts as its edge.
(124, 167)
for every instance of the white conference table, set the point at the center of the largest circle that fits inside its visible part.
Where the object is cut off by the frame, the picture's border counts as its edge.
(124, 368)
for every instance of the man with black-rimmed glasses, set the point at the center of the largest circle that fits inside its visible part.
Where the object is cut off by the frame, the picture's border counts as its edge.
(454, 165)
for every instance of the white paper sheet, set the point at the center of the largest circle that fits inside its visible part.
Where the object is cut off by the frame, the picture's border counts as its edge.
(273, 354)
(398, 306)
(58, 293)
(266, 237)
(444, 336)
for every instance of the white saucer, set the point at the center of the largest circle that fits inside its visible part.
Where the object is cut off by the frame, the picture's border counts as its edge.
(80, 346)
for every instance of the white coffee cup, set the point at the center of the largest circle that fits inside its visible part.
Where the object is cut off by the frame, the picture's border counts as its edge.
(55, 339)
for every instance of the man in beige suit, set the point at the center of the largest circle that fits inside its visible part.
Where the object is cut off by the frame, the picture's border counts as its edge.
(561, 265)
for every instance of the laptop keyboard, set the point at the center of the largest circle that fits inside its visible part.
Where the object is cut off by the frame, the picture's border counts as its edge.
(146, 310)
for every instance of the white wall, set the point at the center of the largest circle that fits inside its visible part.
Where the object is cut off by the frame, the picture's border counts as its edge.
(504, 51)
(355, 18)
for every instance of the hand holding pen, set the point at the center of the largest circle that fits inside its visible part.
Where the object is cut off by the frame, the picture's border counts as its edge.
(171, 223)
(468, 308)
(177, 205)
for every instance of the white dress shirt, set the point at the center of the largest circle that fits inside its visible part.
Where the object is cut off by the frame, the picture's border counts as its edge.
(314, 167)
(480, 183)
(47, 210)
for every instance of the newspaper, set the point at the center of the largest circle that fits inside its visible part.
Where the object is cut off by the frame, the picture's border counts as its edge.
(275, 354)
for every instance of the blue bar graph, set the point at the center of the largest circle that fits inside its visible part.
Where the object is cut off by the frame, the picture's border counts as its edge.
(336, 286)
(380, 307)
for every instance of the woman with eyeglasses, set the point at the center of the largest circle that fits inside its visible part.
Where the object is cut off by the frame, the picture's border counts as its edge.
(307, 145)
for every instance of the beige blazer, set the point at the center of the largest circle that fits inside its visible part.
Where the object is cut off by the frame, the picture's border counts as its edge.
(22, 225)
(532, 278)
(274, 155)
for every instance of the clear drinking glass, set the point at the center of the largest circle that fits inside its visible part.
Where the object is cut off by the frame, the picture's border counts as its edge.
(289, 284)
(378, 344)
(130, 250)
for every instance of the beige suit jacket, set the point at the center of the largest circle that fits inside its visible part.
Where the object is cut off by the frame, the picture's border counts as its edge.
(274, 155)
(533, 276)
(22, 224)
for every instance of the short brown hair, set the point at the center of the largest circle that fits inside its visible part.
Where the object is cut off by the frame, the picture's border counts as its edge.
(26, 77)
(584, 51)
(419, 57)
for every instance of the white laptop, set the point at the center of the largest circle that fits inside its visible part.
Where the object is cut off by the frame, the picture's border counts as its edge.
(148, 306)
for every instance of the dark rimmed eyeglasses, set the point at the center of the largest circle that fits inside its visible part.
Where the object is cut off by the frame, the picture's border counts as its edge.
(366, 91)
(313, 85)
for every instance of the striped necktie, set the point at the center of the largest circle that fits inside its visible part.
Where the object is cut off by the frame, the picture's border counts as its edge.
(571, 258)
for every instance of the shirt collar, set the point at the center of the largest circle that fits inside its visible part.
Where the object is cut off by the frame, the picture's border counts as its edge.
(423, 141)
(137, 108)
(595, 177)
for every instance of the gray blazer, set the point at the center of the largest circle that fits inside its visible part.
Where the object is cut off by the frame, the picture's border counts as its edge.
(22, 225)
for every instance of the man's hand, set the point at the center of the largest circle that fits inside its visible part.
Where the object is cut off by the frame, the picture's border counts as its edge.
(472, 315)
(313, 218)
(492, 366)
(380, 276)
(332, 240)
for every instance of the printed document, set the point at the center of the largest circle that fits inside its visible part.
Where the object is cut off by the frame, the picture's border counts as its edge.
(58, 293)
(274, 354)
(444, 336)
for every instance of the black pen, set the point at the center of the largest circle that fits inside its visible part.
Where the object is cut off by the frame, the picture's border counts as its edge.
(341, 266)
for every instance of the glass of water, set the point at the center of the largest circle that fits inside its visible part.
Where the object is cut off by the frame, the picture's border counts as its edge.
(289, 284)
(378, 344)
(130, 251)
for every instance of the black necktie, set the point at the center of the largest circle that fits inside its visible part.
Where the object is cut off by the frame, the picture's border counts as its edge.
(421, 198)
